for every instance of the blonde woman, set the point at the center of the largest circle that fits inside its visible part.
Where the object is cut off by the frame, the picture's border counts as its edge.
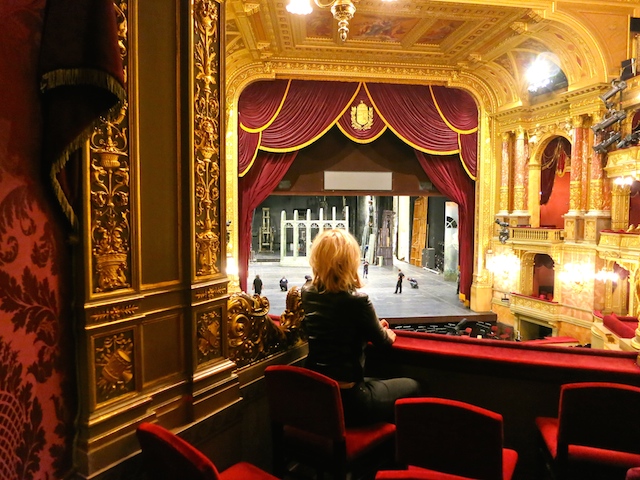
(340, 322)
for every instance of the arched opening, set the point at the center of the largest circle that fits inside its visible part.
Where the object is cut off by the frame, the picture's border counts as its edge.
(555, 163)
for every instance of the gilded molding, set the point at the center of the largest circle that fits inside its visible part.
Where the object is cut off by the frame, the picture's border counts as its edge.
(114, 366)
(110, 189)
(114, 312)
(206, 104)
(210, 292)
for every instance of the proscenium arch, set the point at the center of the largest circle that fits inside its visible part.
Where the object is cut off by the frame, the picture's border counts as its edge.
(487, 182)
(461, 138)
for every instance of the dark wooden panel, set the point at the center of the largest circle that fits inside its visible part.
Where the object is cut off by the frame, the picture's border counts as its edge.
(158, 145)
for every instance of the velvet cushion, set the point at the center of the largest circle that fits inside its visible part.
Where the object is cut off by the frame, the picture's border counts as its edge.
(633, 474)
(624, 327)
(432, 433)
(245, 471)
(593, 425)
(167, 456)
(416, 474)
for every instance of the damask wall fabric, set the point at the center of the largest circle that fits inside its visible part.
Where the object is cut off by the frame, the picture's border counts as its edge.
(36, 396)
(37, 377)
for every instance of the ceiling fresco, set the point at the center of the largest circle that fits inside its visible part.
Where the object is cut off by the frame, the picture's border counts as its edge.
(493, 42)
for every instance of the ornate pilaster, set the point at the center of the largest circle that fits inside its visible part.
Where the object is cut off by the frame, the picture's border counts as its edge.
(573, 221)
(505, 173)
(520, 215)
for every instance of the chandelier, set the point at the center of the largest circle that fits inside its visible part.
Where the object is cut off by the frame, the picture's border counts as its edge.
(342, 11)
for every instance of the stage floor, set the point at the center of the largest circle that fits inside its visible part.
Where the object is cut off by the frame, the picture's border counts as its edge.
(434, 296)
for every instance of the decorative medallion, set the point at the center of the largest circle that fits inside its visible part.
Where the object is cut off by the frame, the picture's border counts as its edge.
(361, 117)
(208, 325)
(113, 356)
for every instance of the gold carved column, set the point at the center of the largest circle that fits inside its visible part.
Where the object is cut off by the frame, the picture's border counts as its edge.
(573, 221)
(520, 215)
(598, 216)
(505, 174)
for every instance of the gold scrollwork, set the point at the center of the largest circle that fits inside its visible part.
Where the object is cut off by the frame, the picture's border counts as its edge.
(207, 137)
(110, 187)
(209, 334)
(114, 365)
(252, 334)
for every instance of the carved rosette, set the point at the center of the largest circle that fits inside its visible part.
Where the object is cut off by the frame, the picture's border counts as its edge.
(113, 358)
(206, 137)
(109, 186)
(209, 331)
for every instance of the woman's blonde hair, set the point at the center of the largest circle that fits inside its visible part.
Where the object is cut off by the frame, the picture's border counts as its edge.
(335, 259)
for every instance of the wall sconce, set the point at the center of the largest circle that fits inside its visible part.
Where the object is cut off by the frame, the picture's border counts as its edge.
(505, 268)
(342, 11)
(616, 116)
(617, 86)
(607, 276)
(576, 276)
(603, 146)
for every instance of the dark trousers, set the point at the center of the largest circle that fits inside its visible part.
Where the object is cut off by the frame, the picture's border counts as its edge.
(399, 286)
(373, 400)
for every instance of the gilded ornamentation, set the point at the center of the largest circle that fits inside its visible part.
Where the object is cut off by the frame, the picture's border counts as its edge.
(253, 336)
(291, 318)
(114, 312)
(210, 293)
(574, 194)
(209, 325)
(110, 189)
(207, 141)
(362, 117)
(110, 193)
(113, 365)
(595, 195)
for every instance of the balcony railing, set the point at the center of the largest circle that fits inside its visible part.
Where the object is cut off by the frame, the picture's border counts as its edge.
(535, 235)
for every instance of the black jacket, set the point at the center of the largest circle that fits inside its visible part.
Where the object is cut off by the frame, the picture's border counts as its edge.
(339, 325)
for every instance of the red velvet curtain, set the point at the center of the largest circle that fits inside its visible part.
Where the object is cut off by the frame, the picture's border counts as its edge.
(284, 116)
(554, 161)
(253, 189)
(450, 179)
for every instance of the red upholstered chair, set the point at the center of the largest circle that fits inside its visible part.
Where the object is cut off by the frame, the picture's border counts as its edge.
(308, 426)
(633, 474)
(448, 439)
(168, 457)
(593, 434)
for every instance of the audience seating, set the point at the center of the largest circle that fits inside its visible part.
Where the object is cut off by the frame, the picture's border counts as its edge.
(445, 439)
(593, 435)
(308, 426)
(168, 457)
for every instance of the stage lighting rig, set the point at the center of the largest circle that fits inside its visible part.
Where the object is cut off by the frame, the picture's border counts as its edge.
(605, 144)
(614, 117)
(617, 86)
(631, 139)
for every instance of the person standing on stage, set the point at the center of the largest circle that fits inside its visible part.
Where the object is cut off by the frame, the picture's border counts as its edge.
(257, 285)
(399, 282)
(340, 322)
